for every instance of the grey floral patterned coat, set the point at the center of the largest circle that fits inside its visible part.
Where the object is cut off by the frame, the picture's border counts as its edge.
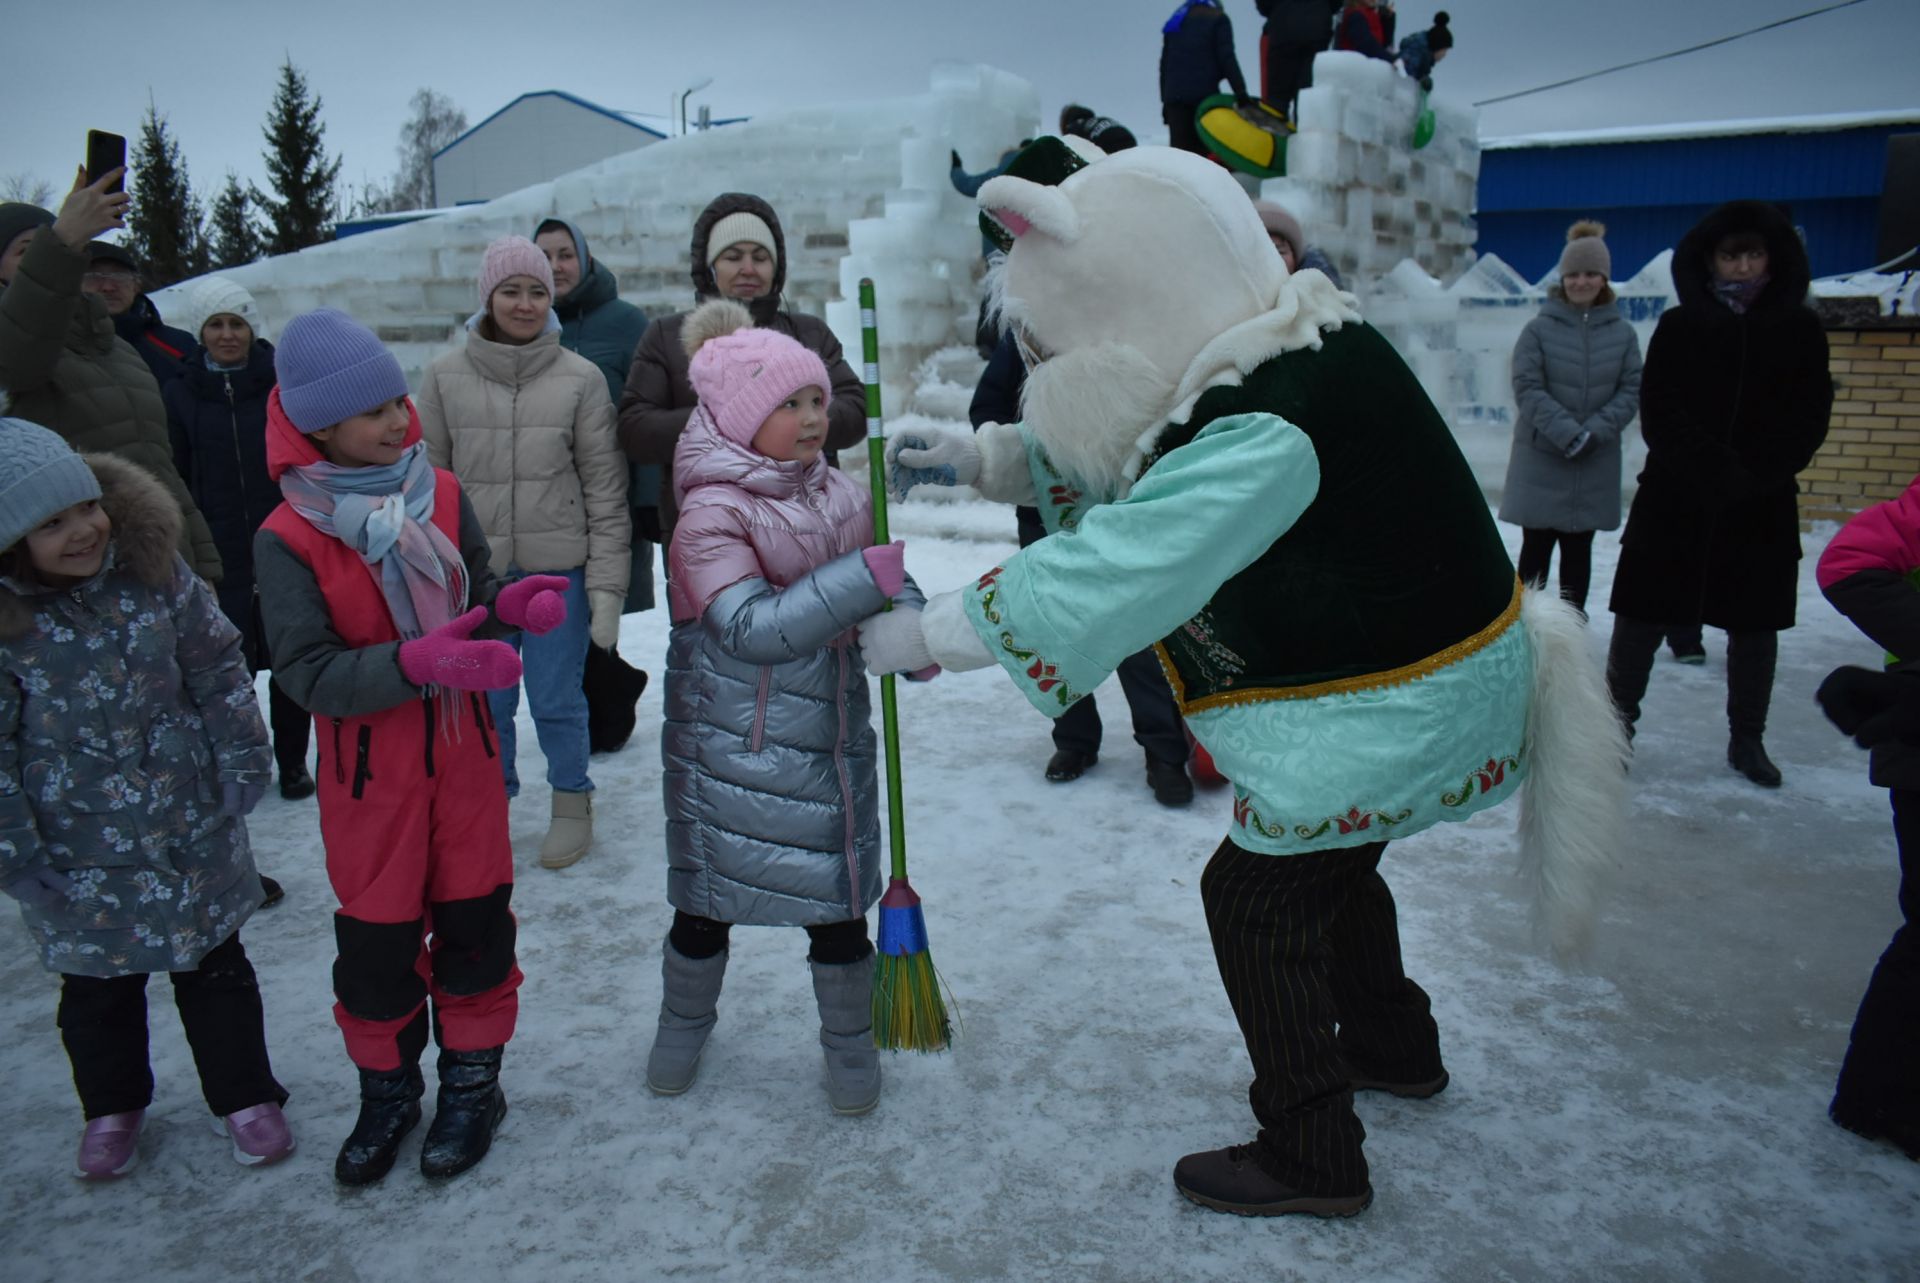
(124, 704)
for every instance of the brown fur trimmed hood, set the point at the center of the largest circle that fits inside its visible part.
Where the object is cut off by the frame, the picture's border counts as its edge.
(145, 538)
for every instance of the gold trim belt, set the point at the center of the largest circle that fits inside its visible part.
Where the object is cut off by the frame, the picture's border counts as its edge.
(1347, 685)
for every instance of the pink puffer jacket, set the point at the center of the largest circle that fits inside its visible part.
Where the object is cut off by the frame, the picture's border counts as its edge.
(796, 517)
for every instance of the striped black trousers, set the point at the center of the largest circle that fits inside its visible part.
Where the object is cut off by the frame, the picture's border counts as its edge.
(1309, 951)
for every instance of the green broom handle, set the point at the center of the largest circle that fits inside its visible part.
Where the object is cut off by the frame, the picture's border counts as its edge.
(877, 472)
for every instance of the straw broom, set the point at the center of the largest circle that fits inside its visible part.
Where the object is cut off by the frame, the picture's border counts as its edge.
(908, 1013)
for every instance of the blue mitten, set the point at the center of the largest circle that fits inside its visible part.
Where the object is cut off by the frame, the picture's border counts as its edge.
(43, 886)
(932, 457)
(239, 797)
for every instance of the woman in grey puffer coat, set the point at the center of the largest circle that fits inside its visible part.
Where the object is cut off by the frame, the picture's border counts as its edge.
(1576, 382)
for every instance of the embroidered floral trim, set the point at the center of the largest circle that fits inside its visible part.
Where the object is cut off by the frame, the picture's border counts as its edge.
(1482, 780)
(1355, 820)
(988, 586)
(1044, 675)
(1347, 685)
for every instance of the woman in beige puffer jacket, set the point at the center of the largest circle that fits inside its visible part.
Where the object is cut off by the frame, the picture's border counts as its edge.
(527, 427)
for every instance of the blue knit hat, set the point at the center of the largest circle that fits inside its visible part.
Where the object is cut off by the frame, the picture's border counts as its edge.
(39, 475)
(331, 368)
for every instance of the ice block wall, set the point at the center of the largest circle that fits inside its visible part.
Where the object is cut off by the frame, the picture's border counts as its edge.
(1360, 189)
(831, 173)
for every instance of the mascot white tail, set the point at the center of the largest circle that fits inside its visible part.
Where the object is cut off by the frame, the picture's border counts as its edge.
(1573, 805)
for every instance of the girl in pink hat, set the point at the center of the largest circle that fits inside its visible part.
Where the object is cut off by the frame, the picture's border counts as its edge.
(771, 795)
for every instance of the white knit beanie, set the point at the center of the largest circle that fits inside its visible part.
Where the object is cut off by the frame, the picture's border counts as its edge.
(211, 296)
(737, 227)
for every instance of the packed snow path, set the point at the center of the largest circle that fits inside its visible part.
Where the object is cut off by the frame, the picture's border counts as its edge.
(1660, 1117)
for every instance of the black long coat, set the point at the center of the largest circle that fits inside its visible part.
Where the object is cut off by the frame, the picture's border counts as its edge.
(218, 422)
(1733, 406)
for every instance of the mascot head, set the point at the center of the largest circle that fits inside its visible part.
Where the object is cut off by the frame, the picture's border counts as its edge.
(1115, 279)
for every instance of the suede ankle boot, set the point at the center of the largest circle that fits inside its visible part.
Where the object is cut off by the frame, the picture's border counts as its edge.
(845, 996)
(389, 1109)
(689, 1005)
(570, 835)
(470, 1110)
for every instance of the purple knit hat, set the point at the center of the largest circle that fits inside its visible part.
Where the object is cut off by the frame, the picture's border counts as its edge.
(331, 368)
(513, 256)
(743, 376)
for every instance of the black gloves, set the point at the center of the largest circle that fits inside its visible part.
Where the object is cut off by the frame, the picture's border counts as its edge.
(1874, 708)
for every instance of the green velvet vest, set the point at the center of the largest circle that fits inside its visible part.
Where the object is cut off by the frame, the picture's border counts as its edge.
(1395, 568)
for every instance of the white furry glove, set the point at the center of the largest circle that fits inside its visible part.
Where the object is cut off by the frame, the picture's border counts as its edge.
(893, 643)
(603, 617)
(932, 457)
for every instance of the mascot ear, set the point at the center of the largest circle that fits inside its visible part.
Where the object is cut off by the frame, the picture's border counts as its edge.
(1021, 206)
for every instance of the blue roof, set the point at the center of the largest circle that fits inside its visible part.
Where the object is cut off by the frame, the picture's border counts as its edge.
(609, 113)
(1786, 165)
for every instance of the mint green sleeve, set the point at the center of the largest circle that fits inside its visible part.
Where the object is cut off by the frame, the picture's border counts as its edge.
(1061, 614)
(1058, 500)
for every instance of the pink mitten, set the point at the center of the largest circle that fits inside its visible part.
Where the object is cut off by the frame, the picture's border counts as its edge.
(888, 565)
(446, 657)
(534, 603)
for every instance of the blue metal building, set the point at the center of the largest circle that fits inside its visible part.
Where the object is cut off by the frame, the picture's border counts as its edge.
(1650, 185)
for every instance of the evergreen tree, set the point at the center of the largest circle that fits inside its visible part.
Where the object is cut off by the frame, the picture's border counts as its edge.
(302, 209)
(163, 222)
(234, 238)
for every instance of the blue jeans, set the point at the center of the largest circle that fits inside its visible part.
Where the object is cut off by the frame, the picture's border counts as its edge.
(555, 665)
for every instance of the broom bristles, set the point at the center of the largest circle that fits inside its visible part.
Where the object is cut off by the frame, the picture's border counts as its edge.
(908, 1011)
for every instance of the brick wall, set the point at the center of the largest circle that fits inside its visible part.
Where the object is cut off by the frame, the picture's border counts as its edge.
(1873, 443)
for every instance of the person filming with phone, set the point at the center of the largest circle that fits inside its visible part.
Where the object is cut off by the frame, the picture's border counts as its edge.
(62, 365)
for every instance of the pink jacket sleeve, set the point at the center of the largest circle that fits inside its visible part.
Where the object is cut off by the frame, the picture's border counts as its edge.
(710, 553)
(1883, 537)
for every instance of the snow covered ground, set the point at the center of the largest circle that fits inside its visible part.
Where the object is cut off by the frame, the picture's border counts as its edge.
(1659, 1117)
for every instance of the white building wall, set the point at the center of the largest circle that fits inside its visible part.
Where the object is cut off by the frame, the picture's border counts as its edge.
(534, 140)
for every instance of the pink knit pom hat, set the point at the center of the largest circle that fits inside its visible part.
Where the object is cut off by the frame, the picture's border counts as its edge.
(513, 256)
(742, 374)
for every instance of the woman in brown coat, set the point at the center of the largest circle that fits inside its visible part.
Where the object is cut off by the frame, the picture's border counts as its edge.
(739, 252)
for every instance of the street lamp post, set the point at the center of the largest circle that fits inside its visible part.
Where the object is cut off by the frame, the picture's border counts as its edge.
(687, 93)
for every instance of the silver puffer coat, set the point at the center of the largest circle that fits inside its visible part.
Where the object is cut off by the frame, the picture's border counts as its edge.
(772, 812)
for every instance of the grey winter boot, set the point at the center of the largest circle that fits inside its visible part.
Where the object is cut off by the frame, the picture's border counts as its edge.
(689, 1001)
(570, 835)
(845, 995)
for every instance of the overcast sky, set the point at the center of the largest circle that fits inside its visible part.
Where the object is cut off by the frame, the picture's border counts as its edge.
(211, 67)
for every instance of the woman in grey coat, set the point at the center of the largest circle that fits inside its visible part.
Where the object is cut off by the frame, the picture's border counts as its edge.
(1576, 382)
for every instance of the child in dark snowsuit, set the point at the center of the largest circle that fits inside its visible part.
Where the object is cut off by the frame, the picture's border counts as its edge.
(1867, 572)
(367, 574)
(130, 746)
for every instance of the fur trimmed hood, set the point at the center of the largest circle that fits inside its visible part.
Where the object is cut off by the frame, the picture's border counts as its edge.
(144, 541)
(1786, 256)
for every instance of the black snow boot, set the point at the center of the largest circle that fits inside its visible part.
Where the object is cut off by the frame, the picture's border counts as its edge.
(470, 1109)
(1232, 1180)
(1750, 664)
(1630, 665)
(389, 1109)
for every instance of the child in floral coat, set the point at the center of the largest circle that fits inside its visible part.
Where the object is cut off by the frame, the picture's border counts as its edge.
(130, 746)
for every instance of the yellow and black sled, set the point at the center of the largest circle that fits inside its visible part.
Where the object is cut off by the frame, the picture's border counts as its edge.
(1251, 139)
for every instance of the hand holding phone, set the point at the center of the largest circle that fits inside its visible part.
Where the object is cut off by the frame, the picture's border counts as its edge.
(92, 208)
(105, 152)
